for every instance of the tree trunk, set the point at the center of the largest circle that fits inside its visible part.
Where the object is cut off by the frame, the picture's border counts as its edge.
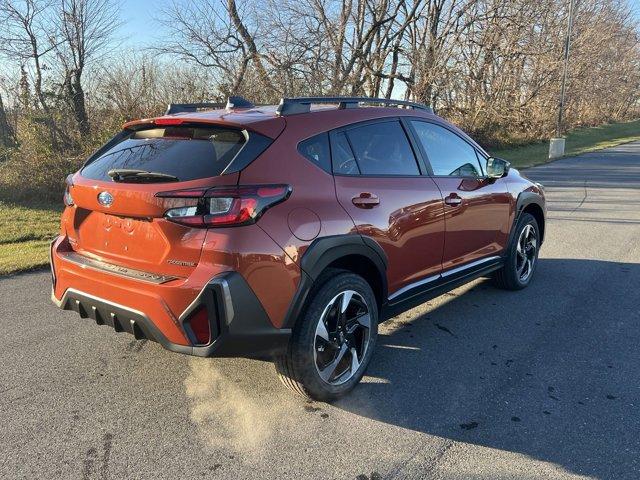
(7, 135)
(251, 45)
(78, 104)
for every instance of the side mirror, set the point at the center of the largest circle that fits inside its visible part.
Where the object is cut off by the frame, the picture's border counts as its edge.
(497, 167)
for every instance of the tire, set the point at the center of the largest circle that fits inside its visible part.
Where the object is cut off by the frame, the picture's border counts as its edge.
(514, 274)
(308, 352)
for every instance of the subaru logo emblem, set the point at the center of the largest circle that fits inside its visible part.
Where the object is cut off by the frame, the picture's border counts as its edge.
(105, 199)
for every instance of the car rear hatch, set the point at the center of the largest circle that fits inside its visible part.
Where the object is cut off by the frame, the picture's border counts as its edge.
(119, 219)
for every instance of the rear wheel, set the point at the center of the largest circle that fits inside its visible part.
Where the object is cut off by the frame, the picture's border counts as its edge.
(522, 256)
(332, 343)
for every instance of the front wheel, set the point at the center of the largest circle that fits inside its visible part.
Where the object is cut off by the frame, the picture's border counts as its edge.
(522, 255)
(331, 345)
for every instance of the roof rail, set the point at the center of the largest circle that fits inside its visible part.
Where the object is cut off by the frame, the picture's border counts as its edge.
(293, 106)
(232, 102)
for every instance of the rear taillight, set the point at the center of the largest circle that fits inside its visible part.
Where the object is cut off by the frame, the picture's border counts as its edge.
(198, 323)
(67, 198)
(224, 206)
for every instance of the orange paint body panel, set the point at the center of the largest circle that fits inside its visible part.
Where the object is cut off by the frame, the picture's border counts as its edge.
(140, 250)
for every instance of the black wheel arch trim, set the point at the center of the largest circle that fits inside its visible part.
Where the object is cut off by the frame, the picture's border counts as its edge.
(524, 200)
(323, 252)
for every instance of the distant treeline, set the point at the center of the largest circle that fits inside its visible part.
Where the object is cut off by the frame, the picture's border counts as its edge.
(493, 67)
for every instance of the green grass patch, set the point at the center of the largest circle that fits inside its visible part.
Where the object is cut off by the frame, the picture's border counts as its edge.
(25, 233)
(19, 257)
(580, 140)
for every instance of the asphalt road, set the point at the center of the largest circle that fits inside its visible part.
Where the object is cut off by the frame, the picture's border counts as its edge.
(479, 383)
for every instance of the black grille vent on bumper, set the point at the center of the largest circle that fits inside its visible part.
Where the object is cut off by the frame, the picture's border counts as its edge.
(239, 324)
(119, 318)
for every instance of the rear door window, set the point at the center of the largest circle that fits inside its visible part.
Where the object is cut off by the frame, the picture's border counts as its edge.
(382, 148)
(185, 152)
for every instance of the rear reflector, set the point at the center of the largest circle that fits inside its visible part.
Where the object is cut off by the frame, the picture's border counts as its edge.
(225, 206)
(198, 322)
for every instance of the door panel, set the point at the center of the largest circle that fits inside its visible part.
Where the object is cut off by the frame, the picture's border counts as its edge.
(408, 222)
(476, 208)
(378, 183)
(477, 226)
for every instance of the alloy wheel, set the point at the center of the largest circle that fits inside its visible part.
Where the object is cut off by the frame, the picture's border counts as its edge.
(526, 252)
(342, 337)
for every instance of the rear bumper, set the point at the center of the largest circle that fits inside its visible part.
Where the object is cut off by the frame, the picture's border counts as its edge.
(238, 323)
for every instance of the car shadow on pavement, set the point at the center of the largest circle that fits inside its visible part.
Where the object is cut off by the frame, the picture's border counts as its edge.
(550, 371)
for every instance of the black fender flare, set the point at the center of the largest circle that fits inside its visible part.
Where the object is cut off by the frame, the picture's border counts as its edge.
(326, 250)
(524, 200)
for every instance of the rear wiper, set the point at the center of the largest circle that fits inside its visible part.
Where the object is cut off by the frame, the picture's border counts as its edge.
(141, 176)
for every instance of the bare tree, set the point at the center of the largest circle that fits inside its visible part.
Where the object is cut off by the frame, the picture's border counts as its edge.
(85, 28)
(28, 37)
(214, 36)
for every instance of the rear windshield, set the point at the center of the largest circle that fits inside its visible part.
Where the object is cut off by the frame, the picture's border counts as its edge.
(187, 153)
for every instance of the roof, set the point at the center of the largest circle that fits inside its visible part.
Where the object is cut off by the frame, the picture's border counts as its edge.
(270, 120)
(263, 120)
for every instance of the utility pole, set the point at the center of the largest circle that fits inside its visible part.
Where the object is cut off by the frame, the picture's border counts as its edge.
(556, 146)
(567, 44)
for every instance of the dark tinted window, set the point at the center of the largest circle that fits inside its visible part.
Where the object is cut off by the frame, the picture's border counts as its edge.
(383, 149)
(184, 152)
(343, 160)
(316, 149)
(449, 155)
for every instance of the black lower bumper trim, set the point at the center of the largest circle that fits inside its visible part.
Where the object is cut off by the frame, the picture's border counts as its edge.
(241, 325)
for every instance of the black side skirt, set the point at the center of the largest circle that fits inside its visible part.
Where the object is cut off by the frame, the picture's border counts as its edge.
(437, 287)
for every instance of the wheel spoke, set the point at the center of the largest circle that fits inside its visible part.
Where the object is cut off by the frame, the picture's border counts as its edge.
(346, 300)
(364, 320)
(327, 372)
(525, 270)
(355, 362)
(321, 331)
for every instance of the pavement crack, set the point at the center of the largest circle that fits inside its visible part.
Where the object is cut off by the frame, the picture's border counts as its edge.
(586, 194)
(107, 441)
(427, 465)
(445, 329)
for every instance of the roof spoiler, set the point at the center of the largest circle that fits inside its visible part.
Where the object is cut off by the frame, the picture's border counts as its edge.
(232, 102)
(293, 106)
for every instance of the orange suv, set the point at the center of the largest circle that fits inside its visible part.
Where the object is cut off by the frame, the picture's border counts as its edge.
(288, 231)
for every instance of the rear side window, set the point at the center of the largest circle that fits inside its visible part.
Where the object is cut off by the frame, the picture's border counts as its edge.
(449, 155)
(316, 149)
(188, 153)
(382, 148)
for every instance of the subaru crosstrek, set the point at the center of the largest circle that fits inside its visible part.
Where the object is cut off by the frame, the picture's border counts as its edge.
(288, 231)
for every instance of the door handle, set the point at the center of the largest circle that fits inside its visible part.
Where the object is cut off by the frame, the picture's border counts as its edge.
(453, 199)
(366, 200)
